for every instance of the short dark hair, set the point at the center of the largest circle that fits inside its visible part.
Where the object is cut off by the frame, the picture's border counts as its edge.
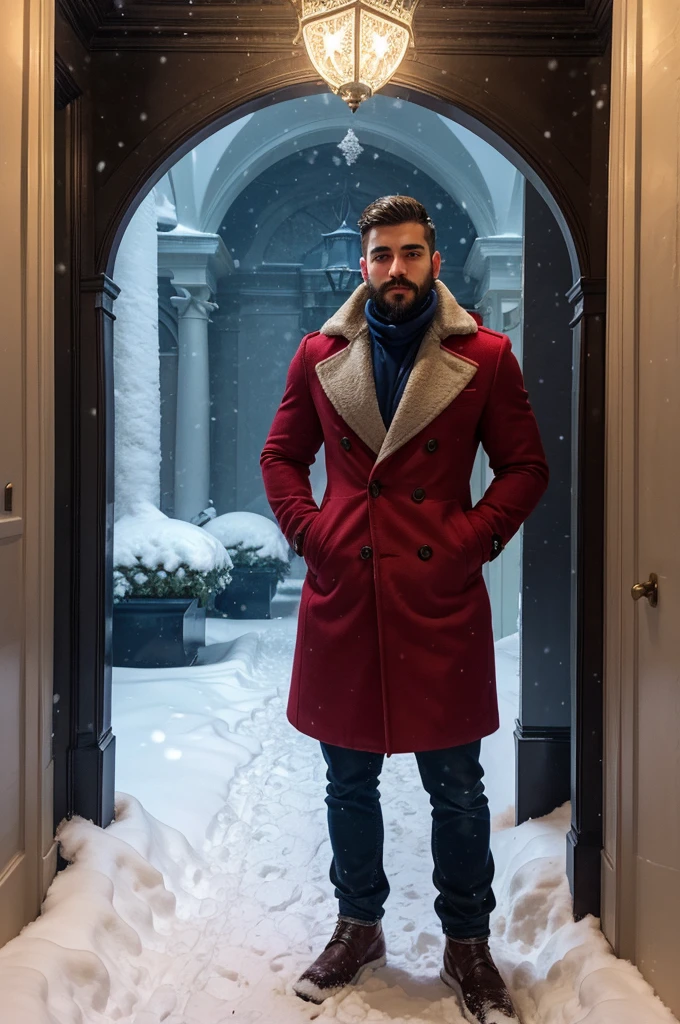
(396, 210)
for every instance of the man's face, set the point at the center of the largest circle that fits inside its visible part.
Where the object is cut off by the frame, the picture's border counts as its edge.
(398, 268)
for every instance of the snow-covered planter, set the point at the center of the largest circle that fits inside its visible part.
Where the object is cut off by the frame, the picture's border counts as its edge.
(165, 570)
(253, 542)
(155, 556)
(260, 558)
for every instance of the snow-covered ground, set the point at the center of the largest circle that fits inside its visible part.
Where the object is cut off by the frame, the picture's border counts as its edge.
(181, 734)
(144, 927)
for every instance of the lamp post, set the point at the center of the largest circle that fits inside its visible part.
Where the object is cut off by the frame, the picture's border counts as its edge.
(356, 45)
(343, 249)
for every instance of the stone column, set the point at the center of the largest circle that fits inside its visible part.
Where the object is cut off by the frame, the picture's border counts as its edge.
(192, 439)
(268, 337)
(195, 261)
(224, 369)
(495, 263)
(136, 365)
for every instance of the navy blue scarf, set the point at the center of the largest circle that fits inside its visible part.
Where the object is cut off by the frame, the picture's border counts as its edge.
(394, 348)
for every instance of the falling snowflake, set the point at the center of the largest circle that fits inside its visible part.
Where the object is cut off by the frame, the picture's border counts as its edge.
(350, 148)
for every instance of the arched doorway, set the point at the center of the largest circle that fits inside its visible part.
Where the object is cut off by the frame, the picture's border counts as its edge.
(96, 746)
(247, 223)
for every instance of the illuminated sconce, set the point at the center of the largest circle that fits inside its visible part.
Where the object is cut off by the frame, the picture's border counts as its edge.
(356, 45)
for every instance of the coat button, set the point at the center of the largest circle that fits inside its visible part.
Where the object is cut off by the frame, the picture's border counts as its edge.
(432, 445)
(425, 552)
(346, 443)
(418, 494)
(366, 552)
(375, 488)
(497, 547)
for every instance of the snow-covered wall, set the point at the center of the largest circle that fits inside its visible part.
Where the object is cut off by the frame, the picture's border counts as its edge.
(136, 364)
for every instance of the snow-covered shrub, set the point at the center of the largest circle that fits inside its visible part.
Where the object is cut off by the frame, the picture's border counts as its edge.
(154, 556)
(243, 557)
(253, 542)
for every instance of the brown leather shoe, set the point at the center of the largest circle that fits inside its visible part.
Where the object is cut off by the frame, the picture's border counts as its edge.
(353, 949)
(470, 971)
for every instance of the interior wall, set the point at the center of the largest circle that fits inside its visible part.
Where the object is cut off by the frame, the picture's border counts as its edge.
(27, 852)
(641, 856)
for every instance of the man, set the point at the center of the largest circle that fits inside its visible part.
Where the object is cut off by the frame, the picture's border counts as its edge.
(394, 647)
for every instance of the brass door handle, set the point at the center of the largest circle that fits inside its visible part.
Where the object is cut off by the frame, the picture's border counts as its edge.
(650, 590)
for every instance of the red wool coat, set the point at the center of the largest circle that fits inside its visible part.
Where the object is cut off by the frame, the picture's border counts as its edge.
(394, 646)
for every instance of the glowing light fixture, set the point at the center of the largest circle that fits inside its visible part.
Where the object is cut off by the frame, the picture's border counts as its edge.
(356, 45)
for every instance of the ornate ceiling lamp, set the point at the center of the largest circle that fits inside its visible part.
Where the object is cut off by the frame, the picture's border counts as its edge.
(356, 45)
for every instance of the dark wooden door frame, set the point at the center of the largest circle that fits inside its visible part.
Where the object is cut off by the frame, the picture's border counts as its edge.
(83, 741)
(85, 501)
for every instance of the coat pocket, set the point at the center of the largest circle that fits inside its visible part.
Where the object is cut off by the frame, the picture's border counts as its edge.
(453, 531)
(469, 540)
(335, 537)
(311, 545)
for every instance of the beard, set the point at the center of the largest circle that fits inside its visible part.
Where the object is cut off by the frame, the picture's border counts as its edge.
(399, 307)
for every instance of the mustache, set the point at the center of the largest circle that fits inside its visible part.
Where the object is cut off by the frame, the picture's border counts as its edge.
(400, 283)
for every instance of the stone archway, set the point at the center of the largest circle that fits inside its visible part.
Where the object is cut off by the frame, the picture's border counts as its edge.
(559, 190)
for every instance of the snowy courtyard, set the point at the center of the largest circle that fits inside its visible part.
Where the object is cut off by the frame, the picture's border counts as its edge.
(209, 894)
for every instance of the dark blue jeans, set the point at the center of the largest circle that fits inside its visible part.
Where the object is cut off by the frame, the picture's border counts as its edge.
(463, 865)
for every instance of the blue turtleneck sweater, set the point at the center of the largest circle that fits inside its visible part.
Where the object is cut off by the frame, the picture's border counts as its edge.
(394, 348)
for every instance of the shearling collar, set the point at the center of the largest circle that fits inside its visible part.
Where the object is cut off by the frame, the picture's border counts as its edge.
(437, 377)
(349, 321)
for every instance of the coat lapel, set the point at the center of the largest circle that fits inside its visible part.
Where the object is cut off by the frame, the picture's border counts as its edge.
(347, 378)
(437, 377)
